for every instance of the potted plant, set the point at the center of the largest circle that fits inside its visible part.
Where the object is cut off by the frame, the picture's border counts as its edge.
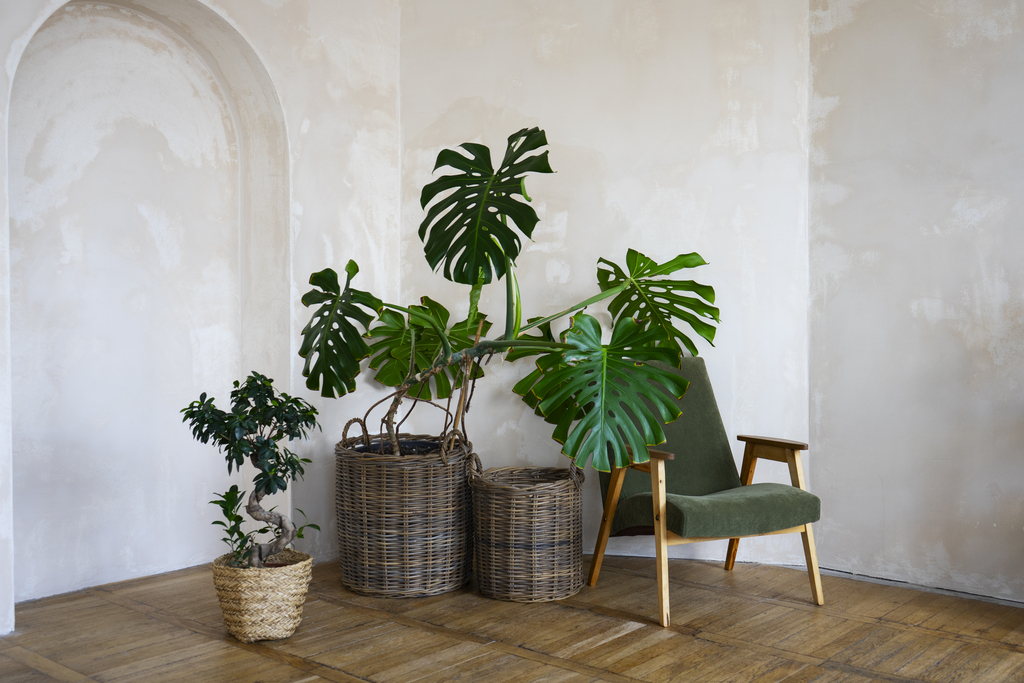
(261, 585)
(599, 397)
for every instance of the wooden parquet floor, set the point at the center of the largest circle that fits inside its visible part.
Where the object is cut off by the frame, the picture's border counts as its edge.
(753, 624)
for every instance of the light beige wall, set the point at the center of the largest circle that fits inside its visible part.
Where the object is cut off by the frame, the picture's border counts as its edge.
(17, 23)
(330, 69)
(125, 268)
(674, 127)
(917, 290)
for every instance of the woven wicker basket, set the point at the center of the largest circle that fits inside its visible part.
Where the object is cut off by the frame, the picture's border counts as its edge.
(404, 522)
(266, 603)
(528, 532)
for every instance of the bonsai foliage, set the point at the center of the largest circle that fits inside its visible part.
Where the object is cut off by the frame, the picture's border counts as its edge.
(261, 420)
(598, 397)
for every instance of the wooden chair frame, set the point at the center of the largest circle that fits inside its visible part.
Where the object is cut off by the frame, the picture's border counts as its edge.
(757, 447)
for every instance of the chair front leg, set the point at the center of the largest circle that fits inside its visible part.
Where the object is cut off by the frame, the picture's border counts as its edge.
(660, 537)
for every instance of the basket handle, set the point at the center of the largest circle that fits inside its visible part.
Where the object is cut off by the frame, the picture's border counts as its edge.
(476, 468)
(344, 433)
(450, 441)
(576, 474)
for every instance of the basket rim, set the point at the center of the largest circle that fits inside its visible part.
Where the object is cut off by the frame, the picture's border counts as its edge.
(344, 449)
(553, 479)
(293, 558)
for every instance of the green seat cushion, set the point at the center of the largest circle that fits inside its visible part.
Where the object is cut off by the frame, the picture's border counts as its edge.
(743, 511)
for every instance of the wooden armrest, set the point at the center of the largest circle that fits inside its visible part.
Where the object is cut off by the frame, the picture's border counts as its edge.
(646, 466)
(776, 443)
(779, 450)
(655, 455)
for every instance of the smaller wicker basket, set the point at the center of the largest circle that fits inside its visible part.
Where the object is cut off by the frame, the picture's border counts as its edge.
(528, 532)
(266, 603)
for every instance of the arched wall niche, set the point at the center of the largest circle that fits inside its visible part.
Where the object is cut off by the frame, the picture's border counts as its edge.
(254, 219)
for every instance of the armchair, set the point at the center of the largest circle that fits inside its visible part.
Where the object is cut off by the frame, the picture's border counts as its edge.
(694, 492)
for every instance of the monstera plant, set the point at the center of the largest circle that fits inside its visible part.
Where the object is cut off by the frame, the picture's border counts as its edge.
(598, 396)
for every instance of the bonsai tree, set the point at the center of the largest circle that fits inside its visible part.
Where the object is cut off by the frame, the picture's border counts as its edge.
(598, 397)
(259, 424)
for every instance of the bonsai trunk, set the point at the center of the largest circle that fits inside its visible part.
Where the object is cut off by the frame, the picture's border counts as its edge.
(262, 551)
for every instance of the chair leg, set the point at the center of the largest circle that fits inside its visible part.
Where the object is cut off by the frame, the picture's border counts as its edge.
(730, 555)
(812, 565)
(611, 501)
(746, 477)
(660, 538)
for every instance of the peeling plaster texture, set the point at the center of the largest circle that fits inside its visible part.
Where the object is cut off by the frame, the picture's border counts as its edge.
(125, 297)
(673, 127)
(186, 193)
(917, 291)
(335, 66)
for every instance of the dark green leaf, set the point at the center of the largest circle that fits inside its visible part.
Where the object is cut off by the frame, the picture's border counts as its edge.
(331, 344)
(609, 391)
(392, 347)
(468, 229)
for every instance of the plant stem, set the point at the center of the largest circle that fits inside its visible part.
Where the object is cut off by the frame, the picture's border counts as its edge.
(487, 346)
(618, 289)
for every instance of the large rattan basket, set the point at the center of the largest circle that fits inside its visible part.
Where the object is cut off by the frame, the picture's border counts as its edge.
(528, 532)
(404, 522)
(265, 603)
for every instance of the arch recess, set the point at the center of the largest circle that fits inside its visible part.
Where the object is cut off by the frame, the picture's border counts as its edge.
(257, 134)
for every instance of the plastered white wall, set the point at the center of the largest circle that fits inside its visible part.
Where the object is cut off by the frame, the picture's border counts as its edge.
(917, 290)
(18, 22)
(125, 296)
(673, 127)
(329, 77)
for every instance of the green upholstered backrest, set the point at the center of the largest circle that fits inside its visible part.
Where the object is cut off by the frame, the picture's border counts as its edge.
(704, 462)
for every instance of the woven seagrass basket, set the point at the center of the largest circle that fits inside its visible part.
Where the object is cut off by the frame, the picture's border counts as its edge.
(528, 532)
(404, 522)
(265, 603)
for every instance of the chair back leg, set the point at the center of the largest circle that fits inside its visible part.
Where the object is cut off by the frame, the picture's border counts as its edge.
(811, 555)
(611, 502)
(730, 555)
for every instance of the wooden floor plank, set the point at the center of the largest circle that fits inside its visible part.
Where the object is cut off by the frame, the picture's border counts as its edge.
(816, 635)
(14, 671)
(44, 666)
(752, 624)
(627, 646)
(466, 670)
(929, 659)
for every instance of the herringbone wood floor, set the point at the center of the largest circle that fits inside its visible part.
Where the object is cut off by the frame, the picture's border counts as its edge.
(753, 624)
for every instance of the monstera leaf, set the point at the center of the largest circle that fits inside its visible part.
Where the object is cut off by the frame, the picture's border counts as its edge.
(609, 391)
(331, 344)
(648, 295)
(468, 229)
(397, 338)
(561, 415)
